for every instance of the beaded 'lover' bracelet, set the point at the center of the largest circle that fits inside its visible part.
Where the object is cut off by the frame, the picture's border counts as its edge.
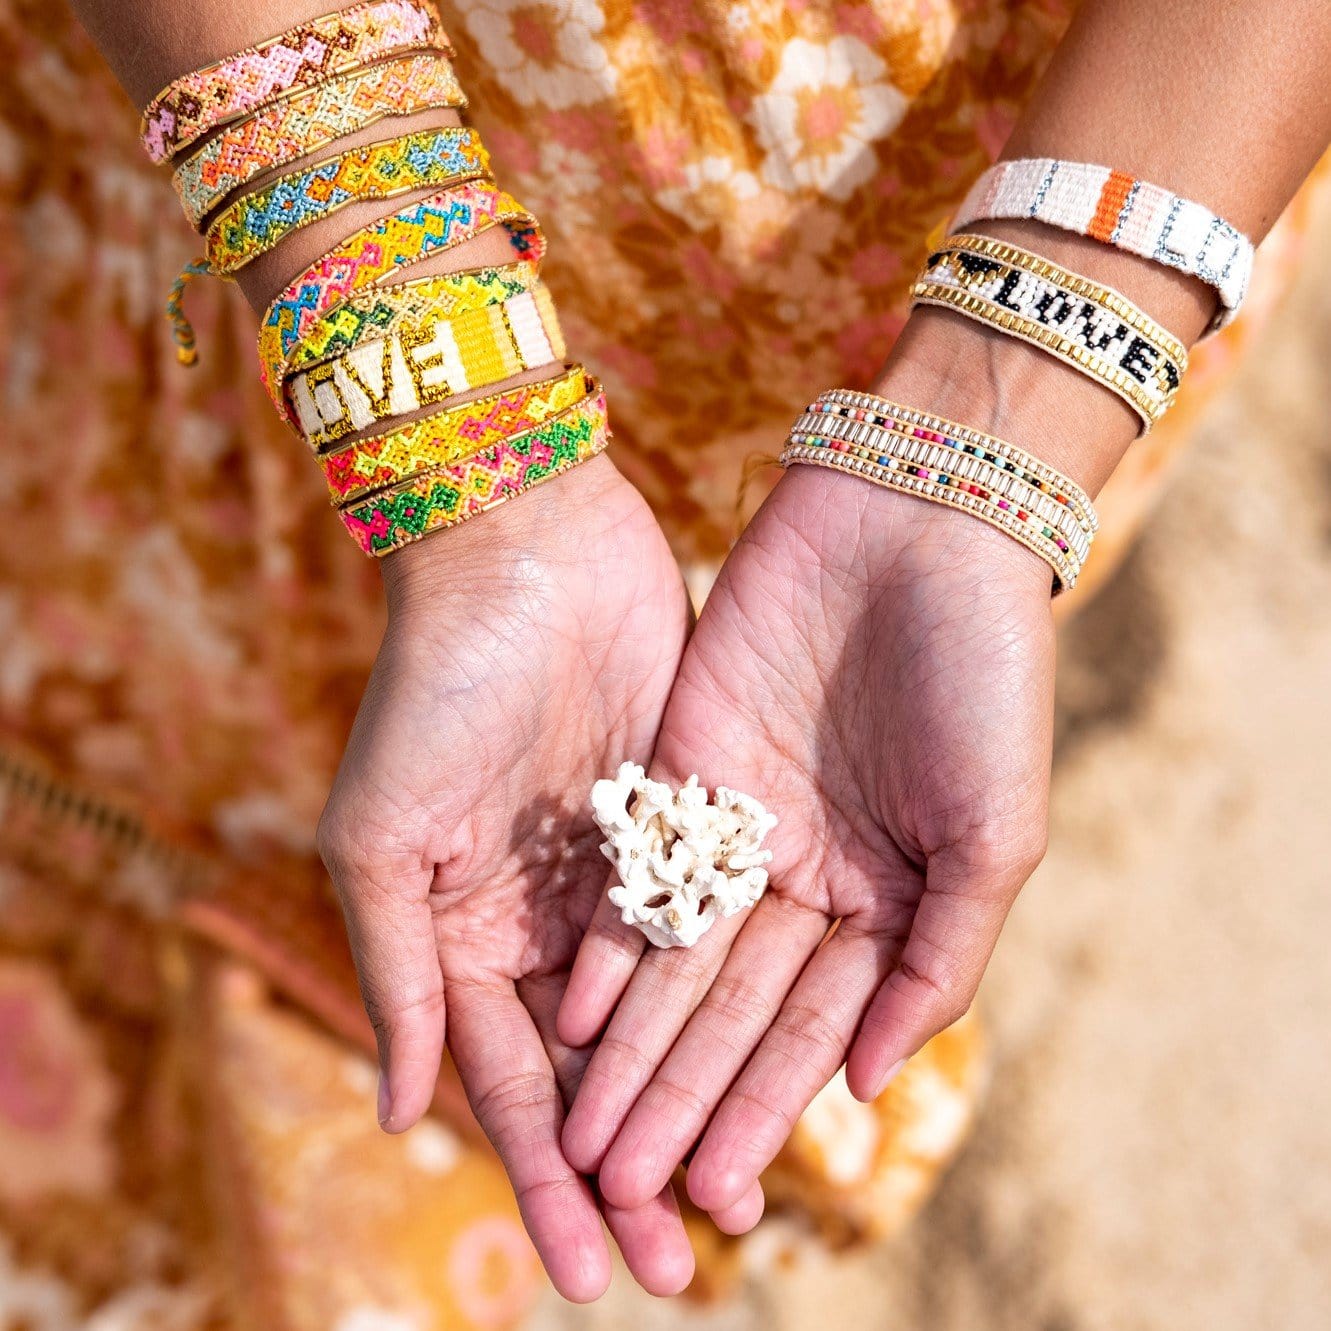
(1091, 327)
(936, 459)
(202, 101)
(289, 130)
(424, 363)
(1117, 209)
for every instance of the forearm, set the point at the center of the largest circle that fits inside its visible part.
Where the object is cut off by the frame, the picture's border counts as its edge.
(148, 43)
(1226, 104)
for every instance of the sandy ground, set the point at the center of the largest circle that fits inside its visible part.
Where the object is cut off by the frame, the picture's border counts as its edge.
(1156, 1150)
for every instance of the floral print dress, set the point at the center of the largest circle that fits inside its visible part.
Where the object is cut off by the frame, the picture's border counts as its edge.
(736, 195)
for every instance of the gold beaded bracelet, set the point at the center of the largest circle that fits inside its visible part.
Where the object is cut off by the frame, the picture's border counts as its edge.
(1088, 326)
(946, 463)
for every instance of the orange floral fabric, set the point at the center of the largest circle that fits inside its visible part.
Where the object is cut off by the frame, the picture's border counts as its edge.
(736, 195)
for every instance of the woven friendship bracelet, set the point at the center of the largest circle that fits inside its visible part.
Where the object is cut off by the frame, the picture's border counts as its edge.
(454, 494)
(307, 54)
(425, 363)
(258, 221)
(364, 259)
(450, 435)
(946, 463)
(1119, 210)
(1091, 327)
(376, 312)
(289, 130)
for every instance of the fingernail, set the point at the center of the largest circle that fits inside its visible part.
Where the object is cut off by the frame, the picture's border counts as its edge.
(889, 1076)
(385, 1102)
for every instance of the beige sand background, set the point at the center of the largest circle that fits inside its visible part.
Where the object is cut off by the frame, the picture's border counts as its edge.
(1156, 1149)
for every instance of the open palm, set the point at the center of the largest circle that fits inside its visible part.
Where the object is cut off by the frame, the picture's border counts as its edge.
(878, 671)
(526, 654)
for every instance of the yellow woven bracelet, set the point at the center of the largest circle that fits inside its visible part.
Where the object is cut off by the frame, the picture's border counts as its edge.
(423, 363)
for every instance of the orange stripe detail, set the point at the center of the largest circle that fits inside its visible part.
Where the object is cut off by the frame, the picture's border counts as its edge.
(1112, 197)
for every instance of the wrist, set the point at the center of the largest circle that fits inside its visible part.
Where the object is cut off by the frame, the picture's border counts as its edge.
(948, 366)
(865, 533)
(532, 532)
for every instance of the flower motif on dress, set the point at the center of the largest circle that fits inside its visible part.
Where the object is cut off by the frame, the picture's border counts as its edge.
(55, 1095)
(822, 115)
(710, 190)
(545, 52)
(569, 180)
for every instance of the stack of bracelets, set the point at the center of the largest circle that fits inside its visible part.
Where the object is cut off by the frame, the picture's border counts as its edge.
(343, 350)
(1089, 327)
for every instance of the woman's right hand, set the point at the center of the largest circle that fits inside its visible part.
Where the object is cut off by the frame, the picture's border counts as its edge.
(526, 654)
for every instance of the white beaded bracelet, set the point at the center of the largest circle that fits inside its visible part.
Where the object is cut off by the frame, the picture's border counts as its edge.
(1115, 208)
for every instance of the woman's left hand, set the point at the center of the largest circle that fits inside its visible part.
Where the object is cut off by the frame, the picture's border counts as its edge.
(878, 671)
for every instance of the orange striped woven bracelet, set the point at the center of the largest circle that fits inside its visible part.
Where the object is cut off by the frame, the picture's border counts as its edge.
(289, 130)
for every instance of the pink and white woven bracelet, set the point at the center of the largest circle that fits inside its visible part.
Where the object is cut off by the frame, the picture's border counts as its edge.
(301, 57)
(1119, 210)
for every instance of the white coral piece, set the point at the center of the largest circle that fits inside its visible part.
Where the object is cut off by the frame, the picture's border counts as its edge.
(681, 860)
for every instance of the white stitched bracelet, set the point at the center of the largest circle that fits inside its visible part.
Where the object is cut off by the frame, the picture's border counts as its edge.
(887, 446)
(904, 449)
(1116, 208)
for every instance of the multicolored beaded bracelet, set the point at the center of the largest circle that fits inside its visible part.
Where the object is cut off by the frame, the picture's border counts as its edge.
(424, 363)
(309, 53)
(1090, 327)
(450, 435)
(876, 412)
(1120, 210)
(921, 484)
(255, 223)
(953, 462)
(287, 131)
(453, 494)
(384, 247)
(376, 312)
(878, 448)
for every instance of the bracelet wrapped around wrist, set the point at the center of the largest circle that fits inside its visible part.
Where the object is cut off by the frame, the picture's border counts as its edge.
(935, 459)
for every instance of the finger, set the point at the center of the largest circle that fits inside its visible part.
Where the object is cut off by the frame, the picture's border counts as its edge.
(672, 1111)
(745, 1213)
(391, 931)
(651, 1237)
(664, 992)
(796, 1059)
(601, 972)
(952, 937)
(511, 1086)
(654, 1243)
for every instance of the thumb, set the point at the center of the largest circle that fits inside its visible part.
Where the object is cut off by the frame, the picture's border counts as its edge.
(391, 930)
